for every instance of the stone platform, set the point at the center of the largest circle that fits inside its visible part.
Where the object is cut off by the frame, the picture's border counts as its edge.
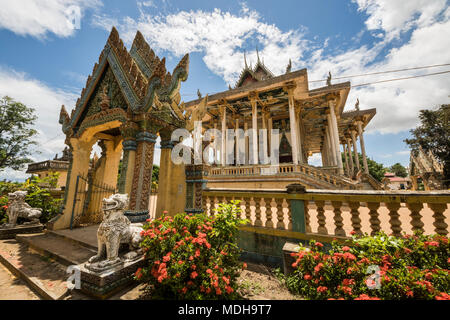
(104, 284)
(10, 233)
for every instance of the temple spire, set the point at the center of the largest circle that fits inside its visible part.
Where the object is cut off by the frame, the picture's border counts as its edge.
(245, 60)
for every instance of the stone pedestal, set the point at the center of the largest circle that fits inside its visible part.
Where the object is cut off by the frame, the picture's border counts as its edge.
(10, 232)
(104, 284)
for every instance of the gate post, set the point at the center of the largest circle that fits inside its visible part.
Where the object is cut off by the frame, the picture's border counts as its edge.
(196, 176)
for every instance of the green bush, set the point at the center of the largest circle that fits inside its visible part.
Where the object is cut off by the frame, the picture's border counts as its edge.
(192, 256)
(411, 267)
(38, 196)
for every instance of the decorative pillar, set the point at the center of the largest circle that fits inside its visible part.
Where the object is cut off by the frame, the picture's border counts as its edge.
(172, 178)
(331, 147)
(236, 140)
(223, 112)
(347, 167)
(79, 167)
(352, 169)
(336, 138)
(246, 138)
(299, 135)
(293, 123)
(215, 144)
(269, 133)
(253, 97)
(128, 130)
(142, 176)
(363, 149)
(355, 150)
(195, 184)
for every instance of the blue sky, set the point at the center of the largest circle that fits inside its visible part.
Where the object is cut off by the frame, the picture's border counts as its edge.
(44, 61)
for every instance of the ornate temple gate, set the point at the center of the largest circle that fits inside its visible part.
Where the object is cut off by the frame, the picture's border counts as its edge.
(128, 101)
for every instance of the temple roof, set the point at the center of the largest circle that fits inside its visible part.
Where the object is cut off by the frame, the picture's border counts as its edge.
(142, 77)
(250, 75)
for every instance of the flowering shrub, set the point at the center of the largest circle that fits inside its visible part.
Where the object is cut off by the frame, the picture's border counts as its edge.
(192, 256)
(411, 267)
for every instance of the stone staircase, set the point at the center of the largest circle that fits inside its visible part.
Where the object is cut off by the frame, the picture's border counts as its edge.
(41, 261)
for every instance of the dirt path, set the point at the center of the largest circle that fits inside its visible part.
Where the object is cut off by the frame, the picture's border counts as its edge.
(12, 288)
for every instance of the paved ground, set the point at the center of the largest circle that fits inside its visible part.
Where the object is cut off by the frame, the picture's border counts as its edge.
(12, 288)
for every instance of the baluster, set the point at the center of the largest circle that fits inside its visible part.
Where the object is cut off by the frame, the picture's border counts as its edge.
(307, 217)
(394, 220)
(216, 204)
(339, 231)
(258, 222)
(375, 223)
(242, 206)
(268, 205)
(321, 217)
(439, 219)
(280, 214)
(248, 211)
(416, 217)
(356, 220)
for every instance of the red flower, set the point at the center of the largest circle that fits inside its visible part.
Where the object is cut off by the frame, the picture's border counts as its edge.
(366, 297)
(410, 294)
(307, 277)
(194, 275)
(244, 266)
(218, 291)
(209, 271)
(322, 289)
(353, 232)
(318, 267)
(229, 289)
(184, 290)
(442, 296)
(318, 244)
(345, 248)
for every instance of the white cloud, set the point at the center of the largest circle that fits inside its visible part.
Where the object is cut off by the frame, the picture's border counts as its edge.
(397, 16)
(221, 36)
(47, 103)
(397, 103)
(37, 18)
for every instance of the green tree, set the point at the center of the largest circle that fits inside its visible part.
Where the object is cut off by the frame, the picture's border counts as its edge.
(433, 134)
(16, 133)
(399, 170)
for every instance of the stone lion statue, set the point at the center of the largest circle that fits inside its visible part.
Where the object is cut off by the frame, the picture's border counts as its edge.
(114, 230)
(18, 208)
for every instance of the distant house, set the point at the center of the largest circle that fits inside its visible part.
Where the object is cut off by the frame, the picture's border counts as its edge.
(58, 164)
(392, 182)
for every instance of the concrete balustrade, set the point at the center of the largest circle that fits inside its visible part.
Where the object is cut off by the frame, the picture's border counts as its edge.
(337, 213)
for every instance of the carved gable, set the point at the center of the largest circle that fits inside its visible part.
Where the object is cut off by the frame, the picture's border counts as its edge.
(106, 95)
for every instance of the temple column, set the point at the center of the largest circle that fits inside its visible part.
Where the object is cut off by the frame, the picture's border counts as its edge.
(223, 111)
(142, 176)
(269, 133)
(336, 138)
(363, 149)
(78, 167)
(299, 135)
(330, 141)
(355, 150)
(352, 168)
(172, 178)
(253, 97)
(215, 143)
(347, 167)
(236, 144)
(246, 142)
(293, 123)
(128, 130)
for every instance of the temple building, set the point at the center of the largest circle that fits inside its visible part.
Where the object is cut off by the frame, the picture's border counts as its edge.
(310, 121)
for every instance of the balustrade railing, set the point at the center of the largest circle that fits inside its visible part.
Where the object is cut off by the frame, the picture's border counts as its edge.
(339, 213)
(47, 165)
(316, 173)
